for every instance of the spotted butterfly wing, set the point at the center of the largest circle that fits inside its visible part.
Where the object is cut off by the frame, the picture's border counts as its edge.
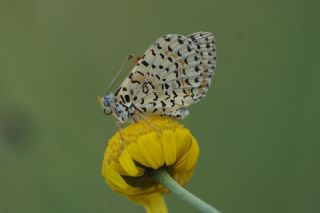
(173, 73)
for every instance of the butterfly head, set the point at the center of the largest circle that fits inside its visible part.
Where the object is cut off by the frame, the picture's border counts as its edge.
(106, 102)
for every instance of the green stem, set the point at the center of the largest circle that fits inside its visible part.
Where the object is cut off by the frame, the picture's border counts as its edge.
(162, 176)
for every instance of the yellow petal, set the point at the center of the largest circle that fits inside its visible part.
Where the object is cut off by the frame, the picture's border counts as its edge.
(153, 203)
(115, 180)
(183, 141)
(169, 147)
(118, 184)
(118, 168)
(189, 159)
(193, 155)
(151, 151)
(181, 164)
(129, 166)
(135, 153)
(182, 177)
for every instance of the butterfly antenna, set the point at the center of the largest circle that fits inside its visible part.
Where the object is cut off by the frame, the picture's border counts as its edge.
(119, 72)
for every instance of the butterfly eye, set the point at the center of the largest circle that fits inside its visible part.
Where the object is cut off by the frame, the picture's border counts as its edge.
(106, 102)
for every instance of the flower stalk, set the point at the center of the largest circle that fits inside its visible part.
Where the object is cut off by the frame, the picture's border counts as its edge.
(163, 177)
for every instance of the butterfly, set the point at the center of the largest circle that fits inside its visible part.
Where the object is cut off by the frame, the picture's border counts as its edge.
(174, 72)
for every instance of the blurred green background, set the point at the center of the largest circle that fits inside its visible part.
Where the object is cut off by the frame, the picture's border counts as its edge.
(258, 128)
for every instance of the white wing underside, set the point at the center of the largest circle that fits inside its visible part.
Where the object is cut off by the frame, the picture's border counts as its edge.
(173, 73)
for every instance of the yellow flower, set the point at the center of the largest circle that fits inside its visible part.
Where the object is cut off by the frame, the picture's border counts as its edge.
(127, 163)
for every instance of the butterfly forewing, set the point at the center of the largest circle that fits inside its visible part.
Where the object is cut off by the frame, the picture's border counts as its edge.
(173, 73)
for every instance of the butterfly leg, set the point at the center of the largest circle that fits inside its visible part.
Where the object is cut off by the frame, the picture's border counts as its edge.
(120, 133)
(180, 113)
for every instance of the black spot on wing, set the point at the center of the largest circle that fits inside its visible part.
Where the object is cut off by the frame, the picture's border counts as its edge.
(127, 97)
(117, 92)
(156, 97)
(175, 94)
(142, 101)
(123, 100)
(145, 63)
(178, 83)
(139, 72)
(151, 85)
(163, 104)
(177, 74)
(172, 103)
(188, 82)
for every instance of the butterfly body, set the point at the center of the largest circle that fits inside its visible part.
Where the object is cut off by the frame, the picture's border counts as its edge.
(173, 73)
